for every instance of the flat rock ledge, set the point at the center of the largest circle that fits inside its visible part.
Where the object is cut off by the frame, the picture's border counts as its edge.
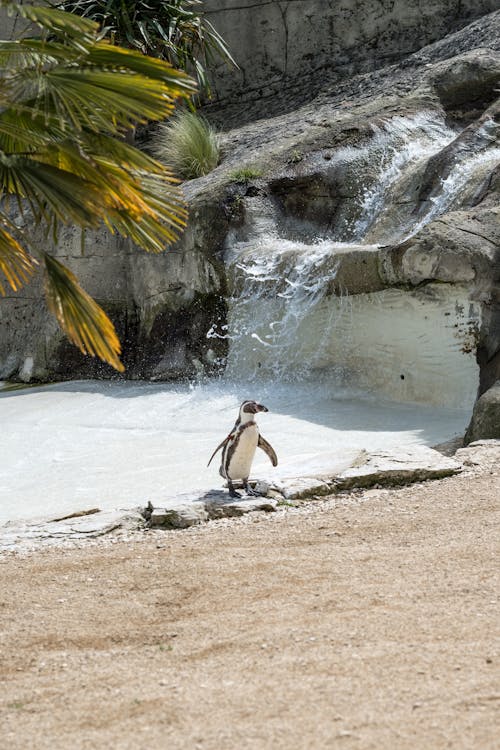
(379, 468)
(82, 525)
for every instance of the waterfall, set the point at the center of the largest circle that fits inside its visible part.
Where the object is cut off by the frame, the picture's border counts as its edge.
(278, 321)
(288, 318)
(397, 148)
(465, 173)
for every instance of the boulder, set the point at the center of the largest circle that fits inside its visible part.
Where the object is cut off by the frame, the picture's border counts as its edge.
(485, 422)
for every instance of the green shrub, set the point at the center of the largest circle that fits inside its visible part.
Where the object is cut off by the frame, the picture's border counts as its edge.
(188, 144)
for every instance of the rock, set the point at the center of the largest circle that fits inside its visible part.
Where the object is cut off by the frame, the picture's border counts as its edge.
(193, 508)
(80, 525)
(375, 469)
(484, 454)
(300, 45)
(449, 447)
(485, 422)
(178, 515)
(460, 247)
(303, 487)
(226, 508)
(397, 467)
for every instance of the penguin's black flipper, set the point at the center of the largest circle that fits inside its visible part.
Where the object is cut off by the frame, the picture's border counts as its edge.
(219, 447)
(267, 448)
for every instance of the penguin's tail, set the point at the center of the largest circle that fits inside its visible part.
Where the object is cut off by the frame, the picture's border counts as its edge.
(218, 449)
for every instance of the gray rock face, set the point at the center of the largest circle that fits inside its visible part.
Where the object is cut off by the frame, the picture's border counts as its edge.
(162, 307)
(485, 422)
(289, 48)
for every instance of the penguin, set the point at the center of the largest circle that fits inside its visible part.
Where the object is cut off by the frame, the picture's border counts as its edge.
(238, 449)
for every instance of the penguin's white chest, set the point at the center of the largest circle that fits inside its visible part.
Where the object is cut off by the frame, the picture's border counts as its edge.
(240, 462)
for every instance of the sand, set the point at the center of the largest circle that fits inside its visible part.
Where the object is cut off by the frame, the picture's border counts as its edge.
(369, 620)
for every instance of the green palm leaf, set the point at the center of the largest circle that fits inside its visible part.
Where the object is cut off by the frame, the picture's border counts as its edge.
(105, 100)
(84, 322)
(52, 194)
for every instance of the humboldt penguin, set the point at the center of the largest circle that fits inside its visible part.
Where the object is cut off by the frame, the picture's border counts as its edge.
(238, 449)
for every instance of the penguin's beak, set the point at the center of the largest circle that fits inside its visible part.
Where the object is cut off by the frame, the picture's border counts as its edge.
(260, 407)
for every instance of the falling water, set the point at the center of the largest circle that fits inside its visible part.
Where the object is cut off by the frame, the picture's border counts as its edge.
(397, 147)
(279, 289)
(286, 318)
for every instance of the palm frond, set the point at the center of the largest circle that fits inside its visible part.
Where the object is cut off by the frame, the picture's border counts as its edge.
(16, 264)
(78, 32)
(63, 98)
(104, 100)
(26, 131)
(65, 185)
(51, 193)
(84, 322)
(25, 53)
(104, 54)
(177, 31)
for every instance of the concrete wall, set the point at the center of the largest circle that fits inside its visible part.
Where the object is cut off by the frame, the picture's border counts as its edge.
(296, 43)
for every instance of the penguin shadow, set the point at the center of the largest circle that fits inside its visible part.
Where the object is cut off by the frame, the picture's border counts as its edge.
(213, 499)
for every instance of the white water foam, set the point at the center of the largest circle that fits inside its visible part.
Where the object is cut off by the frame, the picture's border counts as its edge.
(452, 188)
(278, 286)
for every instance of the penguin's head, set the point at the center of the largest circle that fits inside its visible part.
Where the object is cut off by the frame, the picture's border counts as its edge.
(249, 408)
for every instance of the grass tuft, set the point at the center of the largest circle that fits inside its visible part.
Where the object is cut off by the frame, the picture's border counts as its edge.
(188, 144)
(245, 173)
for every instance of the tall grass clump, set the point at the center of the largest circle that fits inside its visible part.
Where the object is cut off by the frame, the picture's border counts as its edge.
(188, 144)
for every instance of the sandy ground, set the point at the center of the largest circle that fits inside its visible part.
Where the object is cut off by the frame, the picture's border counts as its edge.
(368, 621)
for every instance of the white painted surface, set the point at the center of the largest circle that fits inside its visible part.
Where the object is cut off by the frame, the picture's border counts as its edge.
(81, 445)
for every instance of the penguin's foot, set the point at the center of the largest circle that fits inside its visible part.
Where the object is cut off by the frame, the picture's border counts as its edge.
(250, 491)
(232, 491)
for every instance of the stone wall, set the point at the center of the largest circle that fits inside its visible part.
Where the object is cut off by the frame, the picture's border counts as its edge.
(296, 44)
(161, 305)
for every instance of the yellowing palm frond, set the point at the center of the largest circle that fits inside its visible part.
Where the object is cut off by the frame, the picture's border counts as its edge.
(15, 263)
(83, 320)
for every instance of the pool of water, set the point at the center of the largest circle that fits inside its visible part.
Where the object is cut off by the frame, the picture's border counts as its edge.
(80, 445)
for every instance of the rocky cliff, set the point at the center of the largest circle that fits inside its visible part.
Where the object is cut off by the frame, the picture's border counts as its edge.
(316, 166)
